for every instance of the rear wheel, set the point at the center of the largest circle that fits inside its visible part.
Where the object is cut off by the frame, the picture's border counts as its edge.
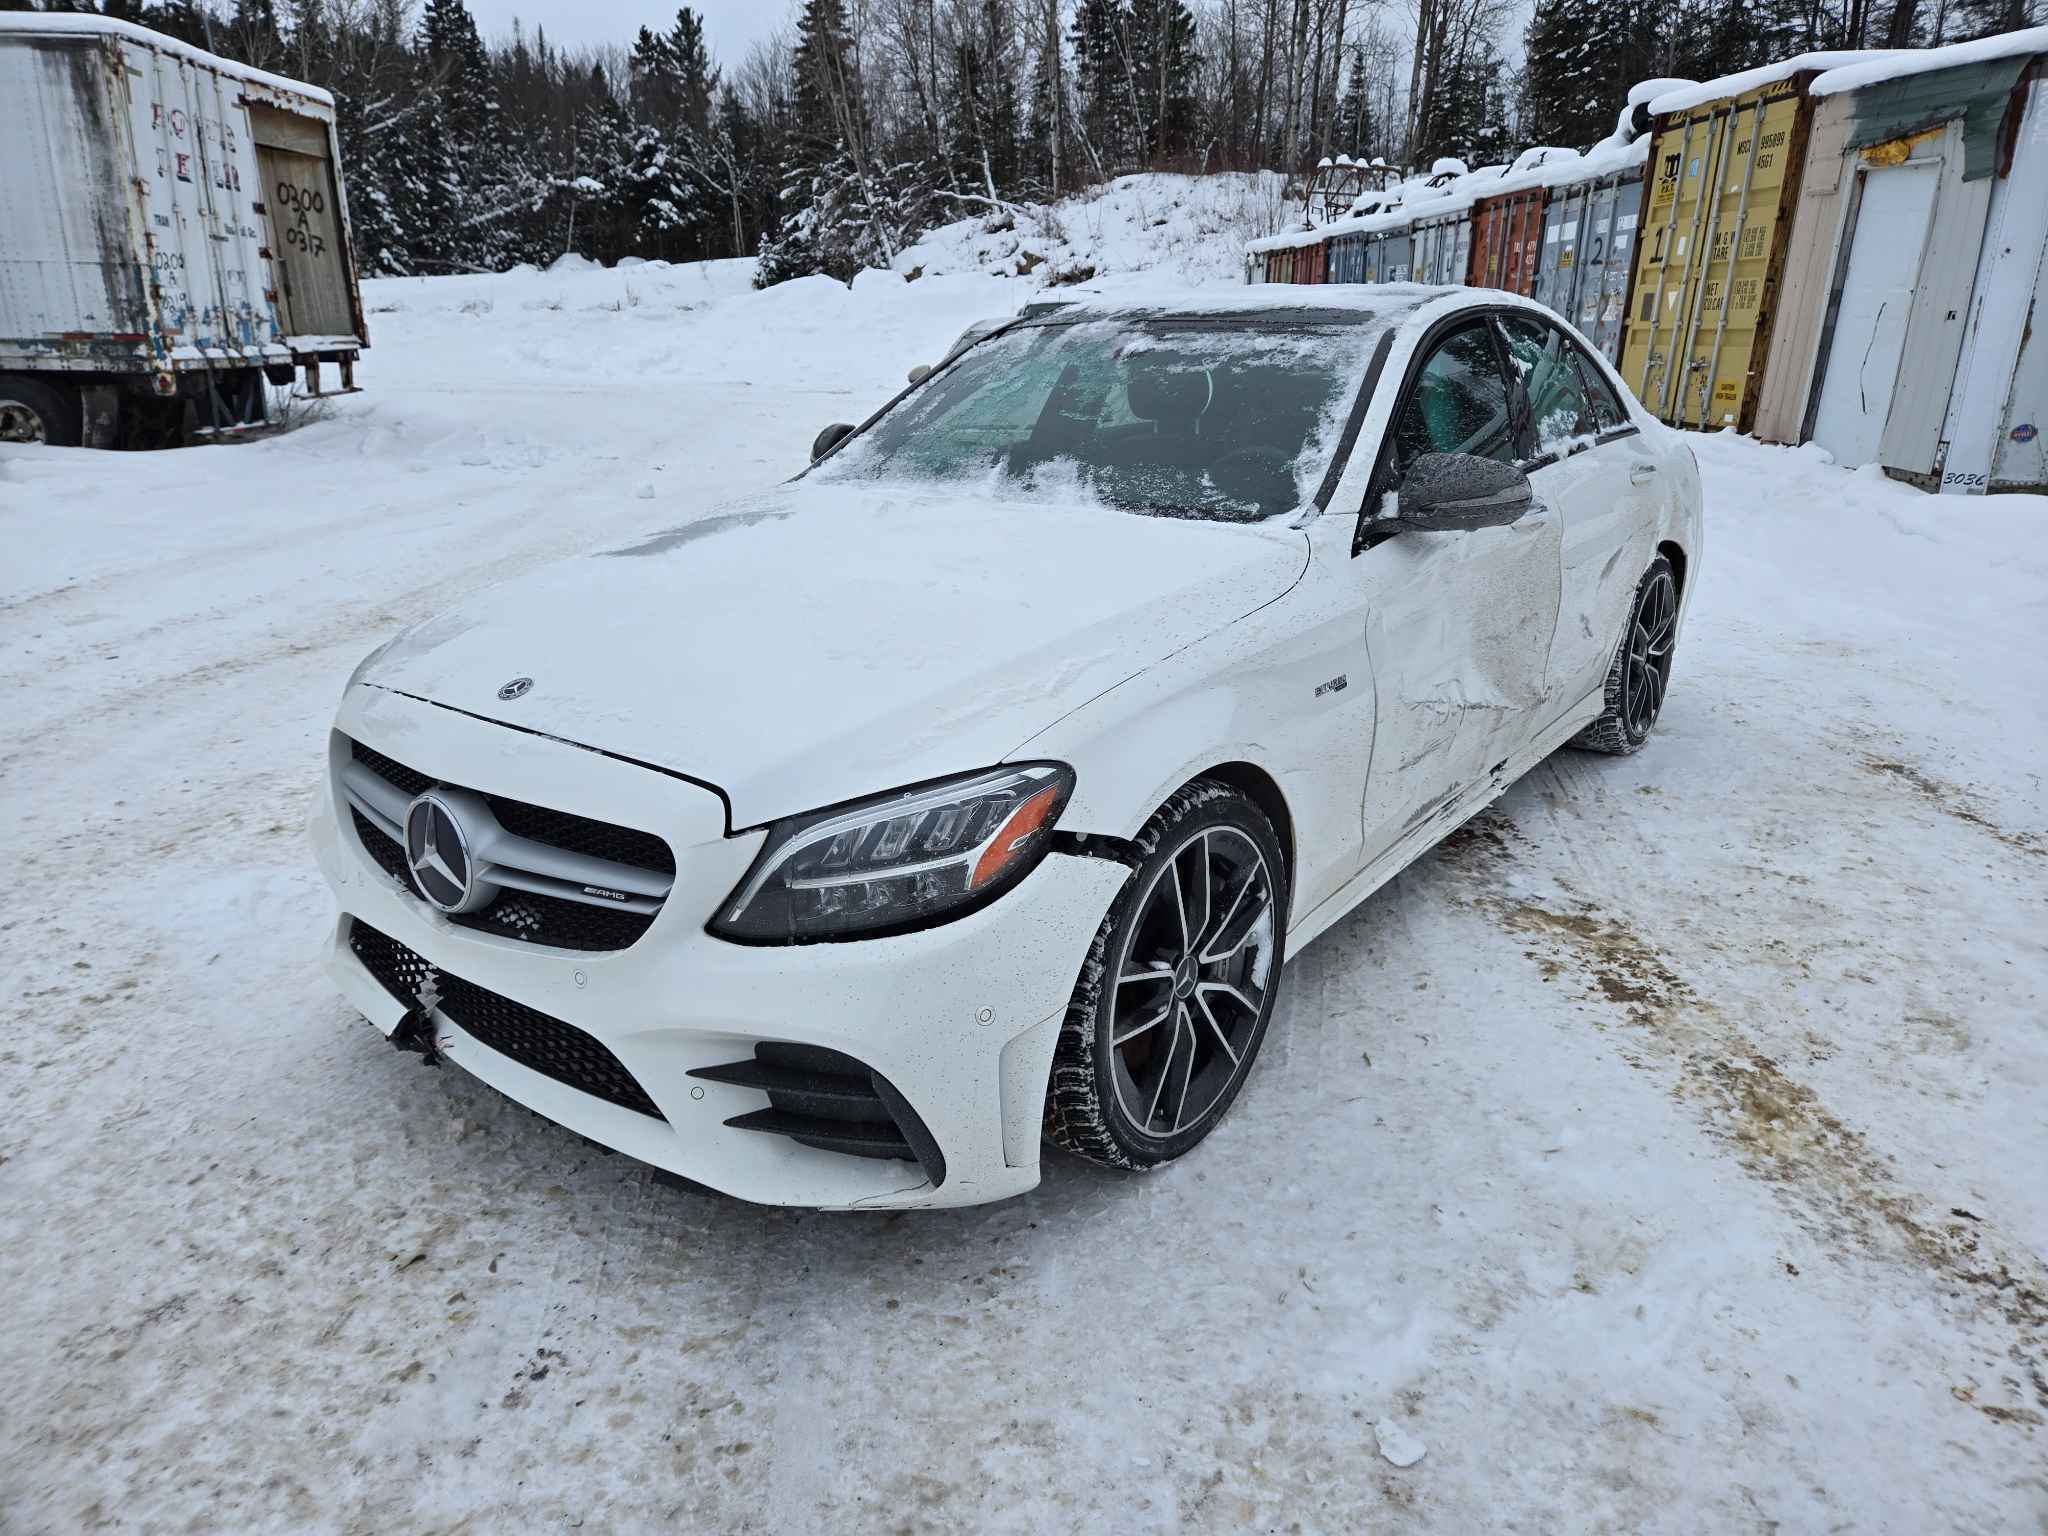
(1173, 1003)
(1641, 673)
(34, 412)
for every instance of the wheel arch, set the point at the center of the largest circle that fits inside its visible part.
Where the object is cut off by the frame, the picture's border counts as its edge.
(1263, 790)
(1670, 550)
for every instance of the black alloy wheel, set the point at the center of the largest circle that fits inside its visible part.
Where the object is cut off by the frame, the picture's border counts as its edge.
(1651, 633)
(1640, 675)
(1192, 987)
(1179, 987)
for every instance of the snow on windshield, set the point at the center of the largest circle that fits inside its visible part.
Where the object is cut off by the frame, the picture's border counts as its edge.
(1228, 418)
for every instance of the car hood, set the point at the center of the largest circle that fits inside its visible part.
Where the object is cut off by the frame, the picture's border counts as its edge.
(827, 642)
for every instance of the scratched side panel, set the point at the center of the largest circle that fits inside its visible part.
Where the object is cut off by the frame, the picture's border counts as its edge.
(196, 162)
(67, 265)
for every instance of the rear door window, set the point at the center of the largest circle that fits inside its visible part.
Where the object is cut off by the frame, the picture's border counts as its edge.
(1608, 416)
(1546, 364)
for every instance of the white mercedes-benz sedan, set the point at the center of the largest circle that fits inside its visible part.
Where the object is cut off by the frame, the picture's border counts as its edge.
(968, 791)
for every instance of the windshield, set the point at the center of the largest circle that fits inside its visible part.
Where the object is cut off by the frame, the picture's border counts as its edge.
(1215, 417)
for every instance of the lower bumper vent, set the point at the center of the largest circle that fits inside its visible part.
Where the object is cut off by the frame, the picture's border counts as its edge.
(534, 1039)
(826, 1099)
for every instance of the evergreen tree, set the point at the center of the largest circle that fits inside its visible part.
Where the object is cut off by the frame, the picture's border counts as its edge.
(1049, 158)
(1160, 44)
(1472, 121)
(1987, 18)
(1583, 55)
(696, 80)
(984, 148)
(1354, 130)
(408, 154)
(1103, 83)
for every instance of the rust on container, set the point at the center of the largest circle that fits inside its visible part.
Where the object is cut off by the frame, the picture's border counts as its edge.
(1507, 237)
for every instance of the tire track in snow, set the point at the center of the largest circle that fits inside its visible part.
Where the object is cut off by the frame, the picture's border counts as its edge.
(1839, 1187)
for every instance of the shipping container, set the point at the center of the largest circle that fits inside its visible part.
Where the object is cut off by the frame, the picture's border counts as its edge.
(1280, 264)
(173, 230)
(1507, 234)
(1310, 261)
(1390, 258)
(1723, 174)
(1347, 259)
(1997, 412)
(1589, 229)
(1903, 163)
(1443, 243)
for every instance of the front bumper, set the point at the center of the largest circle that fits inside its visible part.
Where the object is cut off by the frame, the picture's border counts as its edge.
(960, 1019)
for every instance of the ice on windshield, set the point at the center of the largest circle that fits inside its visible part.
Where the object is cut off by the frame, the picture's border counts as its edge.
(1211, 417)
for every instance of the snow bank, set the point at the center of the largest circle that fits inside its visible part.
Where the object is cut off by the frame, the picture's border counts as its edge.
(1188, 229)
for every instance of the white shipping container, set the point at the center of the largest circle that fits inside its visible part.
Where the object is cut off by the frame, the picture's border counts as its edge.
(171, 223)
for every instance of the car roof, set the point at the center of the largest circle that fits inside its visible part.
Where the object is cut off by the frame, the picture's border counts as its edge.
(1257, 303)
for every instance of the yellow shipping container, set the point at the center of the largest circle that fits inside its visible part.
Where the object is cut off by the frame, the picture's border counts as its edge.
(1723, 182)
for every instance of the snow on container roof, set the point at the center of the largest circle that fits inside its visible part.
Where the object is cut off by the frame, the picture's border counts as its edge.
(44, 24)
(1422, 202)
(1921, 61)
(1685, 98)
(1650, 90)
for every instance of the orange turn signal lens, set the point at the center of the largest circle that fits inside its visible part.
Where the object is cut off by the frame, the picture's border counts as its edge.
(1014, 835)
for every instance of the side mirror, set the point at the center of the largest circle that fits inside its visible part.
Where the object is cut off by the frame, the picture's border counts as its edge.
(1451, 492)
(828, 439)
(920, 373)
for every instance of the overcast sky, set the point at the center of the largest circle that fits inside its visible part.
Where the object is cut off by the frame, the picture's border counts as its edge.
(731, 26)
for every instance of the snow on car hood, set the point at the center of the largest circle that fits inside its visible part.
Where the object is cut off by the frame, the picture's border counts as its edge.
(828, 642)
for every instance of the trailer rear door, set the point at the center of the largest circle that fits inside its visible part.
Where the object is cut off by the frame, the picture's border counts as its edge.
(305, 222)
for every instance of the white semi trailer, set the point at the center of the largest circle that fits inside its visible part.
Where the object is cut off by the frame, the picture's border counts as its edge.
(173, 232)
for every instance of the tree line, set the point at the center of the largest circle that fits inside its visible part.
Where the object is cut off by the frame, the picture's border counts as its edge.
(863, 123)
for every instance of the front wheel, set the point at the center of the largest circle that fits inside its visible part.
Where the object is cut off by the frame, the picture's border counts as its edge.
(1641, 673)
(1179, 985)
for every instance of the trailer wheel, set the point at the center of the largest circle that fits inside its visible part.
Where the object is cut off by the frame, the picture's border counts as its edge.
(34, 412)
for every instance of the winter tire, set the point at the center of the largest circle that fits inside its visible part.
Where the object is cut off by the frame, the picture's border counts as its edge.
(34, 412)
(1641, 673)
(1178, 987)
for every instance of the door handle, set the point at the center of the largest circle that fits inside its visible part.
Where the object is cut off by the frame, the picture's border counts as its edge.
(1640, 474)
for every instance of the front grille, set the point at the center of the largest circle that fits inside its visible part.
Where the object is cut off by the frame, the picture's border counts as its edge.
(392, 773)
(533, 1039)
(533, 916)
(580, 834)
(826, 1099)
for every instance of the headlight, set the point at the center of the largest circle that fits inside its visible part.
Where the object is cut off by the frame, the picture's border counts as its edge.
(901, 860)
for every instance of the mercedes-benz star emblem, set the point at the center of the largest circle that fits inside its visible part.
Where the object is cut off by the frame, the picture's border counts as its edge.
(437, 853)
(518, 688)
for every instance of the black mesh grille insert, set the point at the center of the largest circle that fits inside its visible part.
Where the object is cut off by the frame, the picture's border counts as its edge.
(527, 915)
(392, 773)
(532, 1038)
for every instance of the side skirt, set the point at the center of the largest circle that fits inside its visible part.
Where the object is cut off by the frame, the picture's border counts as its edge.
(1311, 925)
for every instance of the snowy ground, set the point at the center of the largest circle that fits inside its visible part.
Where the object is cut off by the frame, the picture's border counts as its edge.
(1664, 1153)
